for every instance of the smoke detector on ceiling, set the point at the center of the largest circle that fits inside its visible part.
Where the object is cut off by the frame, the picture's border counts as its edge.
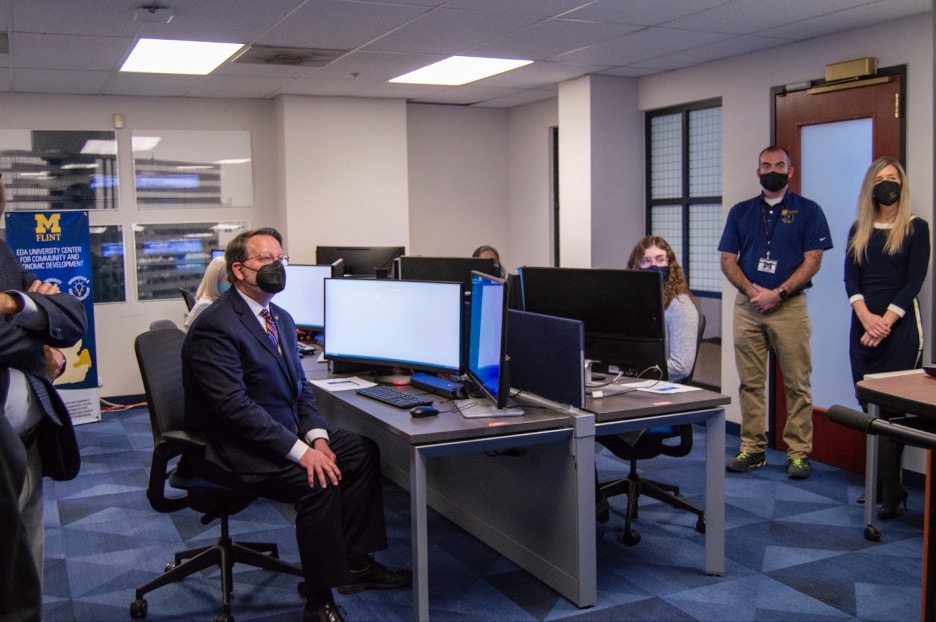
(288, 56)
(153, 14)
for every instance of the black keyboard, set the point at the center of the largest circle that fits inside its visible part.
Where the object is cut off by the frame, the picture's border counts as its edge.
(394, 397)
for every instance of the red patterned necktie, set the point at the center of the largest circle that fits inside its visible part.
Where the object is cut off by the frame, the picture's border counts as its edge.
(270, 326)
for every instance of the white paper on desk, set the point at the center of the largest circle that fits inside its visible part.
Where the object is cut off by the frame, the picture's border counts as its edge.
(342, 384)
(662, 387)
(892, 374)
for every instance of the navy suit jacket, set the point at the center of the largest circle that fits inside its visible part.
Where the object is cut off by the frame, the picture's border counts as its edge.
(61, 323)
(250, 402)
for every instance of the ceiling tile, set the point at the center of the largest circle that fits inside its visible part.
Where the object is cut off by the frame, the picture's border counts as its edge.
(522, 98)
(149, 84)
(550, 38)
(236, 86)
(36, 51)
(647, 43)
(373, 66)
(864, 15)
(335, 25)
(705, 53)
(747, 16)
(642, 12)
(543, 8)
(60, 81)
(540, 75)
(466, 95)
(448, 31)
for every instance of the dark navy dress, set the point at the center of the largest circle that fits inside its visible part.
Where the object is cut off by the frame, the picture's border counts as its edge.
(889, 280)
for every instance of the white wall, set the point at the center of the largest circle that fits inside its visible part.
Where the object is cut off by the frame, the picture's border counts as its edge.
(744, 85)
(457, 180)
(118, 323)
(344, 172)
(529, 228)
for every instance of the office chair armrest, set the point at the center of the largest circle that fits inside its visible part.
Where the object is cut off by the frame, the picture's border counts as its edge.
(183, 441)
(685, 443)
(163, 453)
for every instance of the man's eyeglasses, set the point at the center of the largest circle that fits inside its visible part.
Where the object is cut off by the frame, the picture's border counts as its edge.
(659, 260)
(268, 258)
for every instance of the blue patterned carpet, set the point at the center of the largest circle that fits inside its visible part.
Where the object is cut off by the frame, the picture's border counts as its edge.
(794, 550)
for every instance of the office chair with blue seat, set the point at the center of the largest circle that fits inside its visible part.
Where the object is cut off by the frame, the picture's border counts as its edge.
(159, 354)
(652, 443)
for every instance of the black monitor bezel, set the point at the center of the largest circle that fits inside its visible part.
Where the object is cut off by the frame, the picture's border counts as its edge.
(330, 254)
(420, 268)
(607, 339)
(503, 380)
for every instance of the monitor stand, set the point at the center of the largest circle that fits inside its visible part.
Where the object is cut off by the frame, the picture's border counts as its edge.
(593, 379)
(397, 380)
(474, 407)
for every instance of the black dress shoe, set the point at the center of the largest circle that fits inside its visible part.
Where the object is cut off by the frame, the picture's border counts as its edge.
(377, 577)
(326, 612)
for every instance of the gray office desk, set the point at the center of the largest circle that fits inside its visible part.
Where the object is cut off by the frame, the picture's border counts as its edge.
(638, 410)
(478, 480)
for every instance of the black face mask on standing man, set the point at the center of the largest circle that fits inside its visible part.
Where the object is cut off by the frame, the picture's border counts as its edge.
(773, 181)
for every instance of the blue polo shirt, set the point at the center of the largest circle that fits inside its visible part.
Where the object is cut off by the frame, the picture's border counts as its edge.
(788, 229)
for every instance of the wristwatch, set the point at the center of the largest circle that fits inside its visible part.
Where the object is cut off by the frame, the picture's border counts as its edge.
(782, 293)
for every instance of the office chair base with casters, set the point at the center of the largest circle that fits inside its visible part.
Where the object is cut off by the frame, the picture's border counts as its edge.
(633, 486)
(223, 554)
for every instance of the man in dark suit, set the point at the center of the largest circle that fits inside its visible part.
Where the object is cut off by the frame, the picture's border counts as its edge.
(34, 316)
(246, 392)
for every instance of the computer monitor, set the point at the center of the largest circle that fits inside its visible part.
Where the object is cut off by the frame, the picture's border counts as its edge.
(622, 311)
(487, 339)
(217, 252)
(456, 269)
(383, 322)
(361, 260)
(304, 296)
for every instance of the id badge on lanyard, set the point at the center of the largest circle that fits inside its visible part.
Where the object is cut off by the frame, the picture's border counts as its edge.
(766, 264)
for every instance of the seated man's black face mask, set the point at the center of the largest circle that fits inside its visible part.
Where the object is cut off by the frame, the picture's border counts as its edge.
(271, 278)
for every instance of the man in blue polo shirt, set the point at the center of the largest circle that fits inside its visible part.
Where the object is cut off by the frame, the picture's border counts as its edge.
(771, 247)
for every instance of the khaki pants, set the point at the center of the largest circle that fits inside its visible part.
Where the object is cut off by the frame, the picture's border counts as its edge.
(786, 330)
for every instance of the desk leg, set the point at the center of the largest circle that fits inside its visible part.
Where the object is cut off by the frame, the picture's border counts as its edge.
(871, 532)
(715, 494)
(420, 534)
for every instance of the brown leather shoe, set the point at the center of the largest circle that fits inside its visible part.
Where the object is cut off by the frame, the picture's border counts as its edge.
(377, 577)
(328, 612)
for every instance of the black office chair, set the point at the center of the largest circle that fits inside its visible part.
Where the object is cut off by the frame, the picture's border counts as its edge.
(162, 324)
(652, 443)
(188, 297)
(159, 354)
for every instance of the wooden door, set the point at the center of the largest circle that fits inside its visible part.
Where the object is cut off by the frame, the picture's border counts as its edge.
(796, 112)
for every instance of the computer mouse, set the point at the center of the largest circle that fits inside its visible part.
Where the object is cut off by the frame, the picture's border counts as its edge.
(424, 411)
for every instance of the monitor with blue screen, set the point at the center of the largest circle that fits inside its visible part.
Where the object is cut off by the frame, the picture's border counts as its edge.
(217, 252)
(487, 349)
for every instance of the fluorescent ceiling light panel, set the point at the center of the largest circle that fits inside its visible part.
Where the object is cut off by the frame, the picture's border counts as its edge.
(197, 58)
(459, 70)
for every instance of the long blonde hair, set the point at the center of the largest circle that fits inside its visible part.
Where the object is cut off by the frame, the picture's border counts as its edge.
(208, 288)
(676, 283)
(868, 211)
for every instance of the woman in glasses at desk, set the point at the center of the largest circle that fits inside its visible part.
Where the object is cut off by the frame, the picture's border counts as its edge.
(682, 317)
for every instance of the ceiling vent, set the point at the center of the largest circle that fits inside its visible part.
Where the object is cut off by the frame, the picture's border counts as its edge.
(293, 57)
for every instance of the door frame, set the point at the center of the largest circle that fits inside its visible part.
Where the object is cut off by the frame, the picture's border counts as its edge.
(773, 369)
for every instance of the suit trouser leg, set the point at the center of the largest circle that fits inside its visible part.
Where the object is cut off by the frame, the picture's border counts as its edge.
(31, 507)
(333, 523)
